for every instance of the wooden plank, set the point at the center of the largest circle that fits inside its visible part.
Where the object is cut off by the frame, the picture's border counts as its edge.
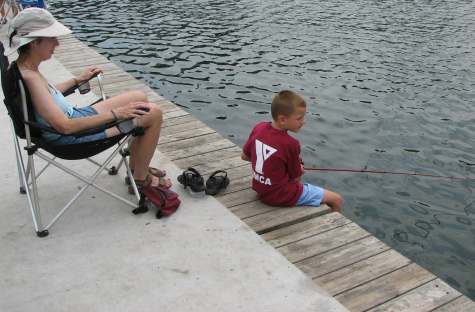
(77, 58)
(76, 70)
(235, 185)
(177, 129)
(155, 97)
(121, 88)
(124, 84)
(165, 106)
(116, 91)
(226, 153)
(251, 209)
(318, 244)
(111, 77)
(305, 229)
(221, 164)
(195, 146)
(96, 61)
(424, 298)
(238, 198)
(385, 288)
(177, 120)
(68, 59)
(342, 256)
(65, 43)
(175, 114)
(462, 303)
(185, 135)
(238, 172)
(282, 217)
(358, 273)
(71, 49)
(116, 79)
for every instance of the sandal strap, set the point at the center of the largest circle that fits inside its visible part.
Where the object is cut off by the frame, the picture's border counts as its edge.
(145, 182)
(192, 178)
(194, 171)
(217, 172)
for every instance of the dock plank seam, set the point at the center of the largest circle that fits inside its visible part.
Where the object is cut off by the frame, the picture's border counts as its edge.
(399, 295)
(319, 233)
(352, 263)
(329, 250)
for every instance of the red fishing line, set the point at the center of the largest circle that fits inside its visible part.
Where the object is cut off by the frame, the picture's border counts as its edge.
(386, 172)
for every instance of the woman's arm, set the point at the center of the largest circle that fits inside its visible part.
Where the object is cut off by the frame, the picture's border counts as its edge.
(84, 76)
(47, 108)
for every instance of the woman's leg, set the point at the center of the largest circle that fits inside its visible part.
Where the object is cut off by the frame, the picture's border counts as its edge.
(120, 100)
(142, 147)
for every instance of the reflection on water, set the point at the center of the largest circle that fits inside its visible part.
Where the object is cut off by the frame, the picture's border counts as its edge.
(390, 85)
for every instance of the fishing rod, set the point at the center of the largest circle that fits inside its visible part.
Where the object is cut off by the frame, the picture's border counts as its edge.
(386, 172)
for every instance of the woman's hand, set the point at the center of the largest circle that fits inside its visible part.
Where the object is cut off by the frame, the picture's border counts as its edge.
(88, 74)
(132, 110)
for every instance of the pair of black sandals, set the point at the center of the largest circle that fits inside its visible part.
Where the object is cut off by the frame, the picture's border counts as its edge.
(193, 180)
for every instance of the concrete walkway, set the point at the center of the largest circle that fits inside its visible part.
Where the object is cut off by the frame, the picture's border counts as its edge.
(100, 257)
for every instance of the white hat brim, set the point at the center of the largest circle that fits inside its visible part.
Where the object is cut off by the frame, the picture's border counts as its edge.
(20, 43)
(54, 30)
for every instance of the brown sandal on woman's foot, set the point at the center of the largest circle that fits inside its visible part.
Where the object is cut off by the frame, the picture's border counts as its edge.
(151, 180)
(159, 173)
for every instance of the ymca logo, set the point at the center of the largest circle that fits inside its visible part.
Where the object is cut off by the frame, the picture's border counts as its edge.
(263, 152)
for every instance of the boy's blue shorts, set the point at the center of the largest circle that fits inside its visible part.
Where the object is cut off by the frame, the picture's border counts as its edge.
(70, 139)
(311, 195)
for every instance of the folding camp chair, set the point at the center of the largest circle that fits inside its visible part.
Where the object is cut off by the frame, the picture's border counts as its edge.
(24, 126)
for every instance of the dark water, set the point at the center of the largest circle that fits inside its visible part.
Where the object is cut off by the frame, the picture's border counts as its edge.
(390, 85)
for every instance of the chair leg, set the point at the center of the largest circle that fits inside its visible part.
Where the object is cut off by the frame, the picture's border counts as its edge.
(33, 202)
(32, 197)
(40, 230)
(19, 166)
(124, 152)
(131, 178)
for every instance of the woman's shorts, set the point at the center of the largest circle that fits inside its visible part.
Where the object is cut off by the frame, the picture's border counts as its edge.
(311, 195)
(70, 139)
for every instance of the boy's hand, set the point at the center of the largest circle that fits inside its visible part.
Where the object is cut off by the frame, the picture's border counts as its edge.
(244, 157)
(302, 168)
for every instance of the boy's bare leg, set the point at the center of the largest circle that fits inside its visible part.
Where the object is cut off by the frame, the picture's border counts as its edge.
(332, 199)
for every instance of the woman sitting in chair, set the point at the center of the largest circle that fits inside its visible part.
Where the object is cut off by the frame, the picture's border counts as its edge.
(34, 35)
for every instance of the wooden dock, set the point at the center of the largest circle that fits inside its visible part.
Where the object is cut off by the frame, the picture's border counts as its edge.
(356, 268)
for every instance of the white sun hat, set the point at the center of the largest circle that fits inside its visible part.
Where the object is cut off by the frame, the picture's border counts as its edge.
(30, 24)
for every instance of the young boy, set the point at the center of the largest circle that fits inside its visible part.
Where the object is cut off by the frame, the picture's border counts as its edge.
(275, 157)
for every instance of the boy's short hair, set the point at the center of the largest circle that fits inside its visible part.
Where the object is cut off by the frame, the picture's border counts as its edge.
(285, 102)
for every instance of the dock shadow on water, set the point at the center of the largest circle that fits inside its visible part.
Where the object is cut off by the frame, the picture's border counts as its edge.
(389, 86)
